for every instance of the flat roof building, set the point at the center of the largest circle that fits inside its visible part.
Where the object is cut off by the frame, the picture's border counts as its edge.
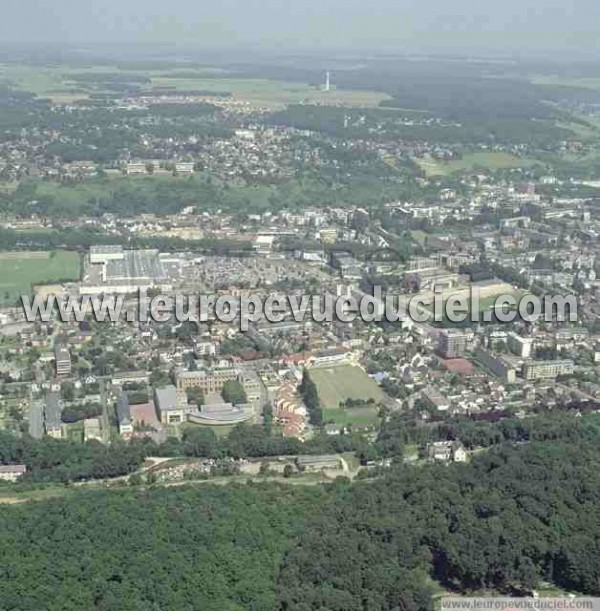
(124, 271)
(547, 370)
(62, 356)
(521, 346)
(171, 411)
(263, 244)
(52, 415)
(102, 254)
(453, 343)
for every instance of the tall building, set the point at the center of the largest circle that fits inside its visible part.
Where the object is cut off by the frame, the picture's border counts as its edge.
(497, 365)
(62, 357)
(521, 346)
(453, 343)
(547, 370)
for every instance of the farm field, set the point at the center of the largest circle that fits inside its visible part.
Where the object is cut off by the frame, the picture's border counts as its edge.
(19, 271)
(337, 384)
(585, 82)
(483, 159)
(272, 94)
(62, 86)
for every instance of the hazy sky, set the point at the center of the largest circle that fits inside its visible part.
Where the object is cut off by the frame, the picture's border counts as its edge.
(308, 23)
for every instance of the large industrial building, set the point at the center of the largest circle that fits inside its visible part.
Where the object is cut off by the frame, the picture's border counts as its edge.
(112, 270)
(103, 254)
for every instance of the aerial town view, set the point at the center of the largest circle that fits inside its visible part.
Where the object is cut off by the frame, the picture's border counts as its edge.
(299, 314)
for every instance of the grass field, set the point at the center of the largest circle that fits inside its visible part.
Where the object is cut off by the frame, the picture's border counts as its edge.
(355, 416)
(336, 384)
(488, 160)
(586, 83)
(45, 82)
(419, 237)
(486, 304)
(19, 271)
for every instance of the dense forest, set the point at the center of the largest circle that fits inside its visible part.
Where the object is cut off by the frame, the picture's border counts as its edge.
(516, 515)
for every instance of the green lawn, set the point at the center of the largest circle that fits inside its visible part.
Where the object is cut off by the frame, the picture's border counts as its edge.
(355, 416)
(219, 431)
(74, 431)
(19, 271)
(336, 384)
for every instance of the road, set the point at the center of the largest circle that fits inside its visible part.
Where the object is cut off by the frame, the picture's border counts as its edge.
(105, 415)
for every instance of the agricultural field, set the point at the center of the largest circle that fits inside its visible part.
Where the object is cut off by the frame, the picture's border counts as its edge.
(66, 86)
(562, 81)
(20, 271)
(482, 159)
(264, 93)
(337, 384)
(44, 82)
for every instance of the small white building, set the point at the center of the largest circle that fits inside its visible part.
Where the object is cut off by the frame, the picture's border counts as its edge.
(447, 451)
(11, 473)
(263, 245)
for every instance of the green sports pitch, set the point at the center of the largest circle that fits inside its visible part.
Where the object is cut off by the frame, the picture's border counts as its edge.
(337, 384)
(21, 271)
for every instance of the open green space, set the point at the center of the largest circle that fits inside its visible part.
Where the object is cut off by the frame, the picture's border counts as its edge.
(65, 85)
(220, 431)
(337, 384)
(565, 81)
(486, 303)
(272, 93)
(20, 271)
(489, 160)
(352, 416)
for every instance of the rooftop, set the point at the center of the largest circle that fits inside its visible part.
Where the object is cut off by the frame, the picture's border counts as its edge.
(166, 398)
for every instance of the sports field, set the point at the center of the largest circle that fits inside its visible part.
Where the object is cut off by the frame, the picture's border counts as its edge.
(20, 271)
(337, 384)
(355, 416)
